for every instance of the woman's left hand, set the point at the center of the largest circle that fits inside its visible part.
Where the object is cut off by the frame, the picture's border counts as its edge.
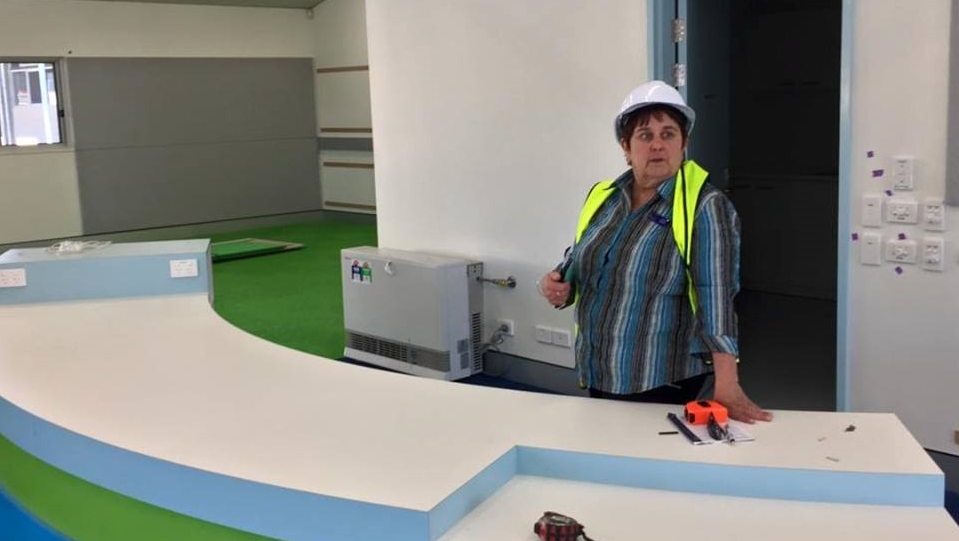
(740, 407)
(729, 393)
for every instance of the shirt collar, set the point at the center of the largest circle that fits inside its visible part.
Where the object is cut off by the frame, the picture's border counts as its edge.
(625, 181)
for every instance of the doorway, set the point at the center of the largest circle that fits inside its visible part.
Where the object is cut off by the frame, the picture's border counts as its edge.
(764, 79)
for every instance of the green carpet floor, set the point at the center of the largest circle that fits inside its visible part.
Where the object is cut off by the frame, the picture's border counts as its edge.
(293, 298)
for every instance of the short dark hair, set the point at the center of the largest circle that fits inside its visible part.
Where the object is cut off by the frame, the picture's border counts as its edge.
(641, 117)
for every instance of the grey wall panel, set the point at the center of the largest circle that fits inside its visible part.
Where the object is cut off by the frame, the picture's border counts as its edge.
(131, 102)
(952, 139)
(171, 141)
(137, 188)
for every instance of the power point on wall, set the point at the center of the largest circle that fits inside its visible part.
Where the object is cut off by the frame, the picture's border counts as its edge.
(544, 335)
(508, 324)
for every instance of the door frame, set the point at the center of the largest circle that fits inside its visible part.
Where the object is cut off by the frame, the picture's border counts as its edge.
(659, 17)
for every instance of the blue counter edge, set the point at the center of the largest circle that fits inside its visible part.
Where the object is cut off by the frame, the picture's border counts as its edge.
(216, 498)
(297, 515)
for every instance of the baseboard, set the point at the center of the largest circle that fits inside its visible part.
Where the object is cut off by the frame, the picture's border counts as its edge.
(525, 371)
(949, 464)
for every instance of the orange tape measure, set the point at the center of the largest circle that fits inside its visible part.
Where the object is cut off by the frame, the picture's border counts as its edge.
(698, 412)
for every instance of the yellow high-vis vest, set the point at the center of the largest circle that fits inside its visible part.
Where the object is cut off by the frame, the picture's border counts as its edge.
(689, 182)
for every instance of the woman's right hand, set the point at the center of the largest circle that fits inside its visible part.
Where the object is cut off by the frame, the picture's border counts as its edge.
(553, 288)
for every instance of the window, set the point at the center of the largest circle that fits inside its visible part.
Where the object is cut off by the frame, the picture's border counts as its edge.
(29, 104)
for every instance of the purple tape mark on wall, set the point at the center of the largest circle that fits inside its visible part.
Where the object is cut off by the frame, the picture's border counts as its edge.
(855, 237)
(898, 270)
(870, 154)
(877, 172)
(902, 236)
(889, 193)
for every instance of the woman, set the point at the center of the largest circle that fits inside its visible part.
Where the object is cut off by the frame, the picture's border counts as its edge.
(655, 269)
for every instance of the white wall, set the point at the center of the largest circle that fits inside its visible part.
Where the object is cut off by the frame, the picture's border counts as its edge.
(903, 329)
(40, 198)
(491, 121)
(340, 41)
(45, 183)
(343, 101)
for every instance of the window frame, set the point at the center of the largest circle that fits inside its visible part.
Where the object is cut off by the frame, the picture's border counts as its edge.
(62, 118)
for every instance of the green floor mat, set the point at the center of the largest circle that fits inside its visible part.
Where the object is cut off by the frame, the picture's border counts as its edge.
(249, 247)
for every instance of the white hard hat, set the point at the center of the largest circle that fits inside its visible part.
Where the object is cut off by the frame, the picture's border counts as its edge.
(653, 93)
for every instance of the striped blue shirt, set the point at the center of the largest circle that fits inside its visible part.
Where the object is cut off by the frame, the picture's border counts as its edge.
(636, 328)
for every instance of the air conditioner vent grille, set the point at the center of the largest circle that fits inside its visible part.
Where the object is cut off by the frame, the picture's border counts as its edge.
(377, 346)
(427, 358)
(476, 339)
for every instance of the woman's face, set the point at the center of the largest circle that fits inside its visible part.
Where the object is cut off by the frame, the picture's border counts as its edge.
(655, 151)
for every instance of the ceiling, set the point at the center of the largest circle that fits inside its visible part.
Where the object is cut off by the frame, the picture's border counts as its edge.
(295, 4)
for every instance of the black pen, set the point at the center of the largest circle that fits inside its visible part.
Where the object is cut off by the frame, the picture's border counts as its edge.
(693, 438)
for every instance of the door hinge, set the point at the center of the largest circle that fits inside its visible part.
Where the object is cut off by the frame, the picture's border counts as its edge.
(679, 75)
(679, 30)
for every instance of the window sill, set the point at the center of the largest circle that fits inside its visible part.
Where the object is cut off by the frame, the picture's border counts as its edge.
(39, 149)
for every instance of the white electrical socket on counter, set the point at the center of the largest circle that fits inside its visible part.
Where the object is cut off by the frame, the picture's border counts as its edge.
(184, 268)
(13, 278)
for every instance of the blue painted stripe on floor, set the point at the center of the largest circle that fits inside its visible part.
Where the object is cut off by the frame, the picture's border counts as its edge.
(458, 504)
(244, 505)
(743, 481)
(17, 524)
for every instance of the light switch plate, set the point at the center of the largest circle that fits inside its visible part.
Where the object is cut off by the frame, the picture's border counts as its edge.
(870, 249)
(872, 210)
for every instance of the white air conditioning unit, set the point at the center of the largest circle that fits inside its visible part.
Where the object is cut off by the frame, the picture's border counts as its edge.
(413, 312)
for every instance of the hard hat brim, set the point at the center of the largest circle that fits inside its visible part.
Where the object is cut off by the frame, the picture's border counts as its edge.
(688, 113)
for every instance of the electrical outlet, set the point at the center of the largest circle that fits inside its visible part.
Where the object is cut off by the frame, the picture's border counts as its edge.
(934, 214)
(13, 277)
(562, 338)
(933, 255)
(184, 268)
(902, 211)
(544, 334)
(509, 324)
(901, 251)
(902, 173)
